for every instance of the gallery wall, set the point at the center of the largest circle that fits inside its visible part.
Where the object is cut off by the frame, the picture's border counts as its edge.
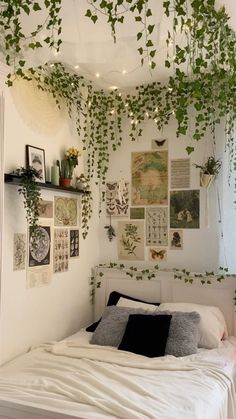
(33, 314)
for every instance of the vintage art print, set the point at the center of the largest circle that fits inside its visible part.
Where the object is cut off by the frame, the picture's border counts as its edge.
(180, 174)
(35, 158)
(40, 249)
(184, 209)
(130, 240)
(65, 211)
(117, 198)
(157, 226)
(176, 239)
(137, 213)
(160, 144)
(157, 254)
(61, 250)
(150, 178)
(19, 252)
(45, 209)
(74, 243)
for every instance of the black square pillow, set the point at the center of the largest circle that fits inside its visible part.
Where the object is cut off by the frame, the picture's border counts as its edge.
(112, 301)
(146, 334)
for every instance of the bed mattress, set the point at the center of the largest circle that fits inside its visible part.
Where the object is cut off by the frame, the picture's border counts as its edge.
(90, 381)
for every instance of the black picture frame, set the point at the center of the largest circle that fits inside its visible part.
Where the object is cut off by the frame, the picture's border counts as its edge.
(35, 157)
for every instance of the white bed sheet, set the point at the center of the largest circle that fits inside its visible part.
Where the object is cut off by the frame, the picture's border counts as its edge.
(88, 381)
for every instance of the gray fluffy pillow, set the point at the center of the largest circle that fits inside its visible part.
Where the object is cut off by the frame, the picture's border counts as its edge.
(112, 327)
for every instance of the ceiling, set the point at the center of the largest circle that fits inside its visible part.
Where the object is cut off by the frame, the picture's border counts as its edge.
(89, 48)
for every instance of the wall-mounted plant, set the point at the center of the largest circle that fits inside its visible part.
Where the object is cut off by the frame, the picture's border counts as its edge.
(31, 194)
(209, 170)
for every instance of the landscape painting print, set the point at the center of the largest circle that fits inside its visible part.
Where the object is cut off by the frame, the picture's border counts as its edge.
(150, 178)
(184, 209)
(131, 240)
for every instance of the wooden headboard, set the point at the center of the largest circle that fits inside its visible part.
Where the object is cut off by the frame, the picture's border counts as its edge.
(165, 288)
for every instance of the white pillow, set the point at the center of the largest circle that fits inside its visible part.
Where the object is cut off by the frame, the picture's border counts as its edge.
(212, 326)
(125, 302)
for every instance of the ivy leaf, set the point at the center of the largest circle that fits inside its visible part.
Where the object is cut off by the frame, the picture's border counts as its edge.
(139, 35)
(189, 150)
(36, 7)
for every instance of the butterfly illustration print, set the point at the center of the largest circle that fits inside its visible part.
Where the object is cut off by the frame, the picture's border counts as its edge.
(161, 143)
(157, 254)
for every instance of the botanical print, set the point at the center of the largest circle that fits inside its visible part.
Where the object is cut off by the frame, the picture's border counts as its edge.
(150, 178)
(157, 226)
(176, 239)
(74, 243)
(45, 209)
(137, 213)
(157, 254)
(184, 209)
(131, 240)
(39, 249)
(117, 198)
(19, 252)
(180, 174)
(160, 144)
(61, 250)
(65, 211)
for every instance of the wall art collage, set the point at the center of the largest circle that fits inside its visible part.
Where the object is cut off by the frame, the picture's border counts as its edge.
(159, 205)
(58, 242)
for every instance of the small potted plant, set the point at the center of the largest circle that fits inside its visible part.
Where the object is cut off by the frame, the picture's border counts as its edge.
(66, 168)
(209, 171)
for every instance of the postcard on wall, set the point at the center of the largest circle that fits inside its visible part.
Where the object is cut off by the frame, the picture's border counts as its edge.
(74, 243)
(157, 226)
(117, 198)
(65, 211)
(130, 239)
(184, 209)
(137, 213)
(45, 209)
(160, 144)
(149, 178)
(19, 252)
(180, 174)
(176, 239)
(61, 250)
(157, 254)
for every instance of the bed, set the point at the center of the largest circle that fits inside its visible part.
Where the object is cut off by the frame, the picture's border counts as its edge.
(75, 379)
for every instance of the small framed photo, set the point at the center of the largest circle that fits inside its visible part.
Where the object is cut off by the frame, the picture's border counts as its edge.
(35, 157)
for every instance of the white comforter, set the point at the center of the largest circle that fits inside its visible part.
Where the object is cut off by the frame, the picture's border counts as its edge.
(94, 382)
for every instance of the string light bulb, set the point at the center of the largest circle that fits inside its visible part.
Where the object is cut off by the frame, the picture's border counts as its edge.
(76, 67)
(124, 72)
(97, 75)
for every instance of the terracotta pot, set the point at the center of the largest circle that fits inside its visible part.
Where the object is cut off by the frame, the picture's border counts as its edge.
(206, 180)
(65, 182)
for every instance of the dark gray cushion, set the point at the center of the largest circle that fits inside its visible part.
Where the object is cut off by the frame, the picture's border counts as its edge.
(111, 329)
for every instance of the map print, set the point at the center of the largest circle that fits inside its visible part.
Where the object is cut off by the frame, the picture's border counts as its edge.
(150, 178)
(157, 226)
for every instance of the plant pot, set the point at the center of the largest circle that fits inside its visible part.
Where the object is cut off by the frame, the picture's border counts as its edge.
(206, 180)
(65, 182)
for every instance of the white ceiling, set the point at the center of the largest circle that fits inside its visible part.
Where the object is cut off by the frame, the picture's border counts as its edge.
(90, 50)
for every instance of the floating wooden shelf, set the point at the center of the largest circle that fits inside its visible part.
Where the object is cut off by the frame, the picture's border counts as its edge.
(15, 180)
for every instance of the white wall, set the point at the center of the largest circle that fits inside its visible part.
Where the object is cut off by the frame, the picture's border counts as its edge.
(31, 316)
(200, 252)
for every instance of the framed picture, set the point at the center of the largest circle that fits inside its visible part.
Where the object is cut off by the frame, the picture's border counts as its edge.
(35, 157)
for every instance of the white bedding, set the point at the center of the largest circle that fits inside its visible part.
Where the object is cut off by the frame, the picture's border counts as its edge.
(88, 381)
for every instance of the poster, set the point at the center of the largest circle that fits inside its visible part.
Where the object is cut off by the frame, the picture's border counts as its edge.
(180, 174)
(45, 209)
(149, 178)
(157, 226)
(157, 254)
(176, 239)
(74, 243)
(19, 252)
(137, 213)
(65, 211)
(184, 209)
(160, 144)
(117, 198)
(61, 250)
(130, 240)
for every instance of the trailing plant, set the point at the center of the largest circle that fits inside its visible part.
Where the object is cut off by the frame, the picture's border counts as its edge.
(15, 41)
(31, 195)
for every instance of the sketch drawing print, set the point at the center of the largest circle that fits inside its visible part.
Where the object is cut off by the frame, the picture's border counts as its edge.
(65, 211)
(19, 253)
(39, 251)
(150, 178)
(131, 240)
(117, 198)
(184, 209)
(157, 226)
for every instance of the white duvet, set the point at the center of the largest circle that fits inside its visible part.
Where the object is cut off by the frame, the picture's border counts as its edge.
(88, 381)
